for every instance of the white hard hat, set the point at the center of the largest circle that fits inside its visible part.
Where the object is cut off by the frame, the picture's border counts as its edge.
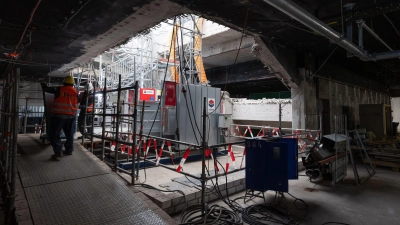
(89, 87)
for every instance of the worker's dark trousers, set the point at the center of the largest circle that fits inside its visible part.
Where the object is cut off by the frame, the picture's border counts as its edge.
(81, 122)
(68, 125)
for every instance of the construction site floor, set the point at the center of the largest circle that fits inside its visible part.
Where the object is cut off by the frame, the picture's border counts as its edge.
(78, 189)
(374, 202)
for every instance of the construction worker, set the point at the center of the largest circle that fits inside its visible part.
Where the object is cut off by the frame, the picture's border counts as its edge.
(63, 116)
(86, 110)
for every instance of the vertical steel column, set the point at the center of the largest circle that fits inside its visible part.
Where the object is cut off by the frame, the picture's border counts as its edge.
(26, 114)
(117, 125)
(320, 126)
(14, 147)
(103, 122)
(360, 34)
(140, 140)
(4, 155)
(84, 118)
(8, 128)
(336, 147)
(280, 119)
(134, 70)
(101, 71)
(135, 111)
(92, 125)
(203, 156)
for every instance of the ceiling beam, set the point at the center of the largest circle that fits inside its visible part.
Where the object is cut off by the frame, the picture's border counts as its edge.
(366, 12)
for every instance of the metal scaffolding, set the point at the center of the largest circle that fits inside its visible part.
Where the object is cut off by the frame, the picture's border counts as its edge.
(8, 146)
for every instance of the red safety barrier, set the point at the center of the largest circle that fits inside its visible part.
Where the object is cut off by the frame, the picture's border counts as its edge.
(209, 153)
(160, 153)
(261, 132)
(236, 129)
(232, 156)
(171, 156)
(248, 129)
(147, 148)
(275, 131)
(123, 148)
(144, 146)
(113, 145)
(244, 154)
(187, 152)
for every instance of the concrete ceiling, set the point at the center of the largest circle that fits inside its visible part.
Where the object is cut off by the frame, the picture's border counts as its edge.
(222, 49)
(67, 33)
(228, 58)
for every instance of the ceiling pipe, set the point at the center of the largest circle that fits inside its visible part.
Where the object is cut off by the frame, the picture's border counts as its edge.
(375, 35)
(302, 16)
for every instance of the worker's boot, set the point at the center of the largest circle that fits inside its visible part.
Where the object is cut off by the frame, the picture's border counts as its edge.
(56, 157)
(67, 152)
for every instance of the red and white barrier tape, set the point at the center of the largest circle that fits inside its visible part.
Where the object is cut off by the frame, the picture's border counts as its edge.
(209, 153)
(123, 148)
(147, 148)
(171, 156)
(113, 145)
(160, 153)
(244, 154)
(183, 160)
(236, 129)
(248, 129)
(261, 132)
(232, 156)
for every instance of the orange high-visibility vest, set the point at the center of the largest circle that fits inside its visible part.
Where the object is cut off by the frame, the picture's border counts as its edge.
(89, 108)
(83, 101)
(67, 102)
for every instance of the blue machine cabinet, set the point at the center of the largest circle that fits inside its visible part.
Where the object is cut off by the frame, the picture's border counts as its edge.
(293, 167)
(270, 164)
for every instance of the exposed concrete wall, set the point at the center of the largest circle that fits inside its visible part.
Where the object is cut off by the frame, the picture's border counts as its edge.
(306, 101)
(340, 95)
(261, 110)
(395, 102)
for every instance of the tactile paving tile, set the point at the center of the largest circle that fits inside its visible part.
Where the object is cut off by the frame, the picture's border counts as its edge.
(36, 167)
(92, 200)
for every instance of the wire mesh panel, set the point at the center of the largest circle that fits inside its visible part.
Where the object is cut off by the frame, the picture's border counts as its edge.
(339, 166)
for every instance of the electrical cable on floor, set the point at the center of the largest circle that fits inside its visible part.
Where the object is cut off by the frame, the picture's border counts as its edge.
(215, 214)
(212, 215)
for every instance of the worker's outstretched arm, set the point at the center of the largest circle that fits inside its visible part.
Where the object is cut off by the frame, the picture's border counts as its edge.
(53, 90)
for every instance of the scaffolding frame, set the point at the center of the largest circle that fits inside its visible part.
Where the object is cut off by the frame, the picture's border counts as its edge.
(8, 145)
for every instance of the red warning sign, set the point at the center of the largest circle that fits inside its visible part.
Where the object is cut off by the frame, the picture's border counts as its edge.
(170, 93)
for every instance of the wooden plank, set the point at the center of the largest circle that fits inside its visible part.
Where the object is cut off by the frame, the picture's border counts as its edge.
(375, 162)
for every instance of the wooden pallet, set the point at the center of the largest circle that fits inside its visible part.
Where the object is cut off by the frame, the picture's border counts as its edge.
(376, 162)
(392, 141)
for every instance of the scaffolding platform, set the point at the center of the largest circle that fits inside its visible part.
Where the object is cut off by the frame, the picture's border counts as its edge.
(78, 189)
